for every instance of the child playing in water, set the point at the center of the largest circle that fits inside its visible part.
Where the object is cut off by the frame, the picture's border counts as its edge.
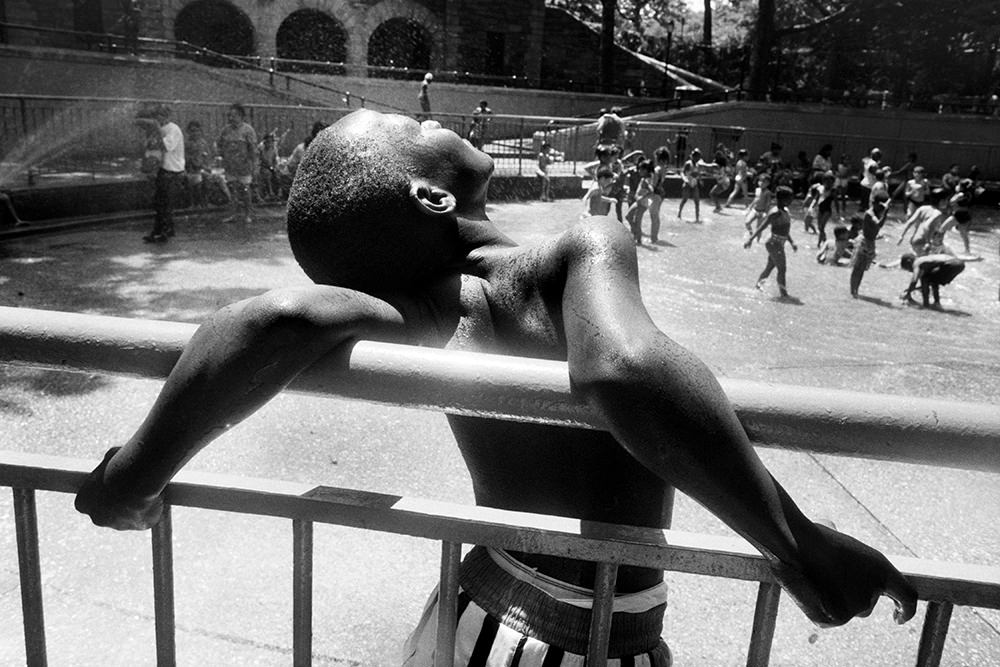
(916, 190)
(546, 156)
(197, 160)
(740, 177)
(761, 203)
(643, 193)
(841, 182)
(597, 200)
(780, 222)
(691, 183)
(388, 218)
(864, 249)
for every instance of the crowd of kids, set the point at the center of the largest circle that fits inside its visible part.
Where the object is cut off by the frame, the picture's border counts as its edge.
(855, 204)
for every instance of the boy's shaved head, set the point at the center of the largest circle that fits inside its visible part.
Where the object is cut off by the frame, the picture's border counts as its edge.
(349, 195)
(352, 220)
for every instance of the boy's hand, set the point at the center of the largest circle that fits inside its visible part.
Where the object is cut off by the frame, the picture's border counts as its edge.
(795, 248)
(844, 578)
(115, 510)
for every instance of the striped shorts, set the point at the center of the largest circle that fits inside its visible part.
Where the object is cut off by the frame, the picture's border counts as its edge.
(507, 620)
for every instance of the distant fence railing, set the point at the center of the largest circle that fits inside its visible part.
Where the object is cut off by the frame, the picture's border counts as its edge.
(47, 134)
(884, 427)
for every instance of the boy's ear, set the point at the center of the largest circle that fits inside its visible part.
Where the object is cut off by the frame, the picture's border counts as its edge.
(431, 199)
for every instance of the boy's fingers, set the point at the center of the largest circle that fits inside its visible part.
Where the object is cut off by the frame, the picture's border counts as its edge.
(903, 594)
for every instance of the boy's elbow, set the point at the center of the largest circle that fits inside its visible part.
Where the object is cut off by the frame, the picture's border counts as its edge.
(614, 376)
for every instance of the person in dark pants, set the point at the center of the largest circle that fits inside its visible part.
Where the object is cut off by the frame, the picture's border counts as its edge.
(169, 177)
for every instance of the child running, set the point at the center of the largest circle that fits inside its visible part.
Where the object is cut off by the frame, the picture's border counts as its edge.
(781, 226)
(643, 195)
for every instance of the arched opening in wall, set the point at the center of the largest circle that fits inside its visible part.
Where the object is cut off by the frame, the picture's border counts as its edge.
(311, 35)
(218, 26)
(399, 49)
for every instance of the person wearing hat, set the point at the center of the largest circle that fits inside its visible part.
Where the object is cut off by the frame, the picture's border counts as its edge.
(169, 177)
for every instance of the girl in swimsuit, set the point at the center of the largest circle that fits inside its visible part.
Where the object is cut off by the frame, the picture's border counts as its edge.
(781, 226)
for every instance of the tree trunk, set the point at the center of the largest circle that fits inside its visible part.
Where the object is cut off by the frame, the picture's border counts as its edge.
(763, 45)
(706, 28)
(608, 45)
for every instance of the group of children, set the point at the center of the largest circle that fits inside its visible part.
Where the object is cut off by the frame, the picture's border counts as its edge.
(636, 183)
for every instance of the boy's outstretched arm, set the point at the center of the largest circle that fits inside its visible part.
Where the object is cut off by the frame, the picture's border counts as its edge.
(667, 409)
(236, 361)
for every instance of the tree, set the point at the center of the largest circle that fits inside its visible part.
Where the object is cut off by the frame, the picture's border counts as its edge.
(911, 50)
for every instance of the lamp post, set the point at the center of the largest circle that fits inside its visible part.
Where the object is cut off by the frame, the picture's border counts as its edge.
(668, 82)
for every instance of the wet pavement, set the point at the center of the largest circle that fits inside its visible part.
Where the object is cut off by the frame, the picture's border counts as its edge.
(233, 573)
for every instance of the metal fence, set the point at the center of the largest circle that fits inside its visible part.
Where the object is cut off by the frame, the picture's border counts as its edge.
(885, 427)
(96, 136)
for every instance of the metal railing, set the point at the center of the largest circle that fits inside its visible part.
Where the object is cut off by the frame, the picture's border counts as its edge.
(881, 427)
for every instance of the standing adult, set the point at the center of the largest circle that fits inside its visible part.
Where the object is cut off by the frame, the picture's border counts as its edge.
(424, 98)
(169, 179)
(237, 145)
(481, 116)
(870, 167)
(611, 128)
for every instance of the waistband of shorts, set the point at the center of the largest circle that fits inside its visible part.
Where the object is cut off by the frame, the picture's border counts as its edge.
(779, 237)
(529, 610)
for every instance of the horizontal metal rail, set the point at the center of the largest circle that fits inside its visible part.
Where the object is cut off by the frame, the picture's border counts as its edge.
(882, 427)
(944, 584)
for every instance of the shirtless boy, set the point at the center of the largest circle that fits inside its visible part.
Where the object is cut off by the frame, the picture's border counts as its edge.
(929, 273)
(443, 275)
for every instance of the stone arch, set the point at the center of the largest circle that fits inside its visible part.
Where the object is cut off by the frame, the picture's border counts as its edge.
(312, 34)
(217, 25)
(418, 35)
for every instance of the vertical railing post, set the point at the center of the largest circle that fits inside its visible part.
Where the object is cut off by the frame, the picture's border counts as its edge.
(600, 615)
(765, 617)
(163, 589)
(447, 622)
(520, 148)
(936, 621)
(302, 588)
(30, 569)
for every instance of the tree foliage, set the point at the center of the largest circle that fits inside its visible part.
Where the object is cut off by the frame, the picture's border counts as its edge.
(915, 50)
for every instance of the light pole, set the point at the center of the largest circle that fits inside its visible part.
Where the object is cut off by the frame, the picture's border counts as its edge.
(668, 82)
